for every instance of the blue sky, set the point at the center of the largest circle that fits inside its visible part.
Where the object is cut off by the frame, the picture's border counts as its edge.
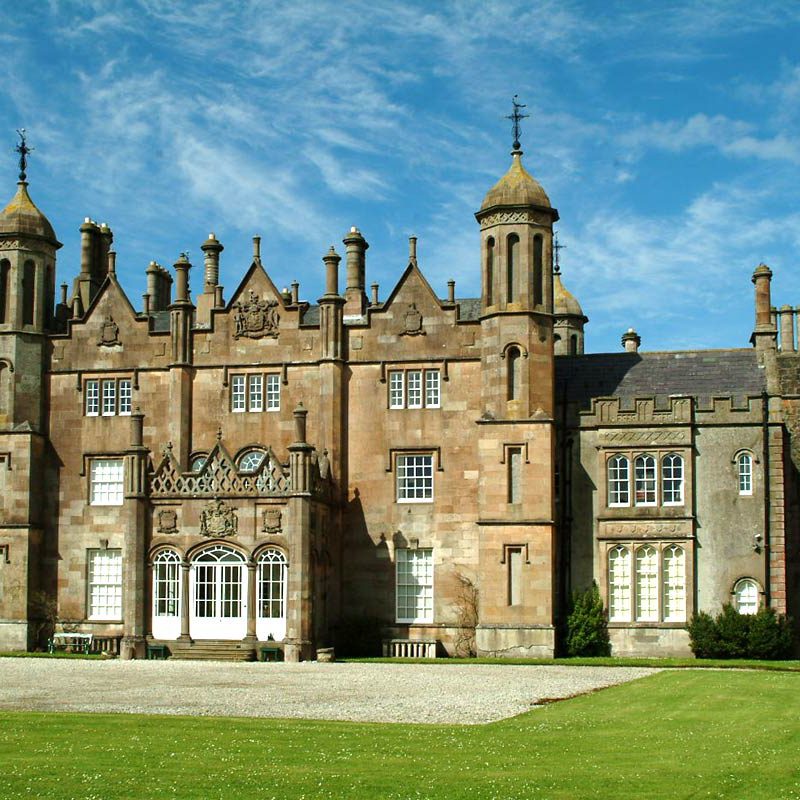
(665, 133)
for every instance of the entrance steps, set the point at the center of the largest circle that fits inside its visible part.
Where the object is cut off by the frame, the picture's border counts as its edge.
(211, 650)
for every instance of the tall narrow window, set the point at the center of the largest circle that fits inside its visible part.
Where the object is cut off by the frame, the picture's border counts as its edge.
(166, 584)
(490, 271)
(237, 393)
(125, 397)
(105, 584)
(514, 560)
(255, 392)
(28, 292)
(512, 263)
(514, 465)
(273, 392)
(272, 570)
(619, 584)
(674, 576)
(5, 267)
(619, 481)
(514, 369)
(646, 584)
(414, 388)
(744, 464)
(397, 389)
(573, 344)
(538, 273)
(414, 585)
(432, 388)
(672, 479)
(109, 398)
(644, 468)
(92, 398)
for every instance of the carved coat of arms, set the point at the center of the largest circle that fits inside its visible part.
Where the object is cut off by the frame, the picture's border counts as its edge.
(109, 333)
(256, 318)
(168, 520)
(271, 521)
(218, 519)
(413, 322)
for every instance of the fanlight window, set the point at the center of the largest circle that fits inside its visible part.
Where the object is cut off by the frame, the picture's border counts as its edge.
(198, 462)
(166, 584)
(251, 460)
(746, 596)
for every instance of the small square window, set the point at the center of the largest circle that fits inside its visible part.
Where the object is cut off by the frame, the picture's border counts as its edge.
(106, 482)
(415, 478)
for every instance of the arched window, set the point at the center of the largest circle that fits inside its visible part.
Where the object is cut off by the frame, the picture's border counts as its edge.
(166, 584)
(746, 596)
(514, 359)
(512, 262)
(28, 292)
(198, 461)
(251, 460)
(644, 469)
(672, 479)
(673, 572)
(490, 271)
(619, 584)
(573, 344)
(744, 469)
(619, 492)
(538, 272)
(272, 573)
(646, 584)
(5, 267)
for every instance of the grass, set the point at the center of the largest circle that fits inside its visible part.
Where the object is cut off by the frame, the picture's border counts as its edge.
(680, 734)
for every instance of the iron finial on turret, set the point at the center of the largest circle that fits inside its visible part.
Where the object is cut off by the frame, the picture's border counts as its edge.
(515, 116)
(557, 248)
(23, 150)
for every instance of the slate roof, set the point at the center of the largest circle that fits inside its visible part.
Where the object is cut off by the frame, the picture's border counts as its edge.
(700, 373)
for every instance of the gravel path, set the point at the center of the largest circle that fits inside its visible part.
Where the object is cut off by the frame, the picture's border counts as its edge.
(466, 694)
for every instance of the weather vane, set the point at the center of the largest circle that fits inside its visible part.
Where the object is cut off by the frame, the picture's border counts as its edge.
(515, 116)
(23, 150)
(557, 248)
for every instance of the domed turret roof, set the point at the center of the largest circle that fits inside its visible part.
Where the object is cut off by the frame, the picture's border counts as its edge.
(564, 302)
(516, 188)
(21, 216)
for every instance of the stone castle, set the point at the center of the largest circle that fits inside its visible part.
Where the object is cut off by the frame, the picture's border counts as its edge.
(209, 478)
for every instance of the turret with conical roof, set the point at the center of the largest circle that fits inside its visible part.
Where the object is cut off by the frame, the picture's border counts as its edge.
(568, 316)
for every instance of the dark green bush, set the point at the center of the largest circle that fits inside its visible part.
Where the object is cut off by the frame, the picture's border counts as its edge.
(587, 625)
(765, 635)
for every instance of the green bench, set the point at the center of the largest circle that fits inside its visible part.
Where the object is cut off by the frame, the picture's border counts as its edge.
(270, 653)
(156, 652)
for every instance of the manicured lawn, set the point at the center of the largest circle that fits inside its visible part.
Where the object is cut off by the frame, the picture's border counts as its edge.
(686, 734)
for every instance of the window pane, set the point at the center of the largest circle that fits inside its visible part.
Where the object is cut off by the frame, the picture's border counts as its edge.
(414, 388)
(745, 461)
(105, 584)
(256, 392)
(273, 392)
(619, 584)
(674, 571)
(125, 396)
(645, 477)
(109, 398)
(106, 487)
(414, 585)
(237, 393)
(672, 479)
(746, 596)
(432, 392)
(618, 481)
(396, 389)
(166, 584)
(415, 478)
(92, 398)
(272, 585)
(646, 584)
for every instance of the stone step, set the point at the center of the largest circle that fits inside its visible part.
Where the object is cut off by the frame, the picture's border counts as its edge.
(211, 650)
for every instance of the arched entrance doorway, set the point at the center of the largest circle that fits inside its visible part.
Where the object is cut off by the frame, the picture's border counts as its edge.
(218, 585)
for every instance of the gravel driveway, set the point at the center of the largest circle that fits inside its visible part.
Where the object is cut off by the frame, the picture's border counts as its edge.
(435, 693)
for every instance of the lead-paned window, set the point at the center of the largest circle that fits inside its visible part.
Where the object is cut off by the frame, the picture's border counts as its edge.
(672, 479)
(109, 397)
(415, 478)
(106, 484)
(238, 402)
(414, 582)
(673, 570)
(105, 584)
(166, 584)
(744, 464)
(646, 584)
(414, 388)
(619, 584)
(644, 472)
(92, 398)
(619, 481)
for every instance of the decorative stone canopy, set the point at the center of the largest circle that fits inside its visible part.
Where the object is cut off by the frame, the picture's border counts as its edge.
(22, 217)
(564, 302)
(516, 188)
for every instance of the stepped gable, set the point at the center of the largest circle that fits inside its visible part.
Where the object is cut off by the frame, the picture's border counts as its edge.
(699, 373)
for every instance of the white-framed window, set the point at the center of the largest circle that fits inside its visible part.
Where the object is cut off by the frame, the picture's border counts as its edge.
(106, 482)
(414, 582)
(415, 478)
(644, 472)
(255, 392)
(648, 587)
(744, 469)
(238, 400)
(672, 480)
(198, 461)
(166, 584)
(415, 388)
(619, 481)
(105, 584)
(251, 460)
(746, 596)
(273, 392)
(109, 397)
(125, 396)
(272, 571)
(92, 398)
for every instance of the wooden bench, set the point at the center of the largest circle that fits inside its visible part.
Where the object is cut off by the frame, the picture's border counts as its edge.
(409, 648)
(76, 642)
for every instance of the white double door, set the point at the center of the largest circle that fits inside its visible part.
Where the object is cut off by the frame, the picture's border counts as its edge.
(219, 589)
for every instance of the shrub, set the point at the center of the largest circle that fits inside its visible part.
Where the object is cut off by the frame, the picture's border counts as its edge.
(765, 635)
(587, 625)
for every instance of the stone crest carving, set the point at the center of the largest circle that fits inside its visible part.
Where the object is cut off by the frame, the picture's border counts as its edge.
(413, 322)
(271, 520)
(218, 519)
(167, 520)
(256, 318)
(109, 333)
